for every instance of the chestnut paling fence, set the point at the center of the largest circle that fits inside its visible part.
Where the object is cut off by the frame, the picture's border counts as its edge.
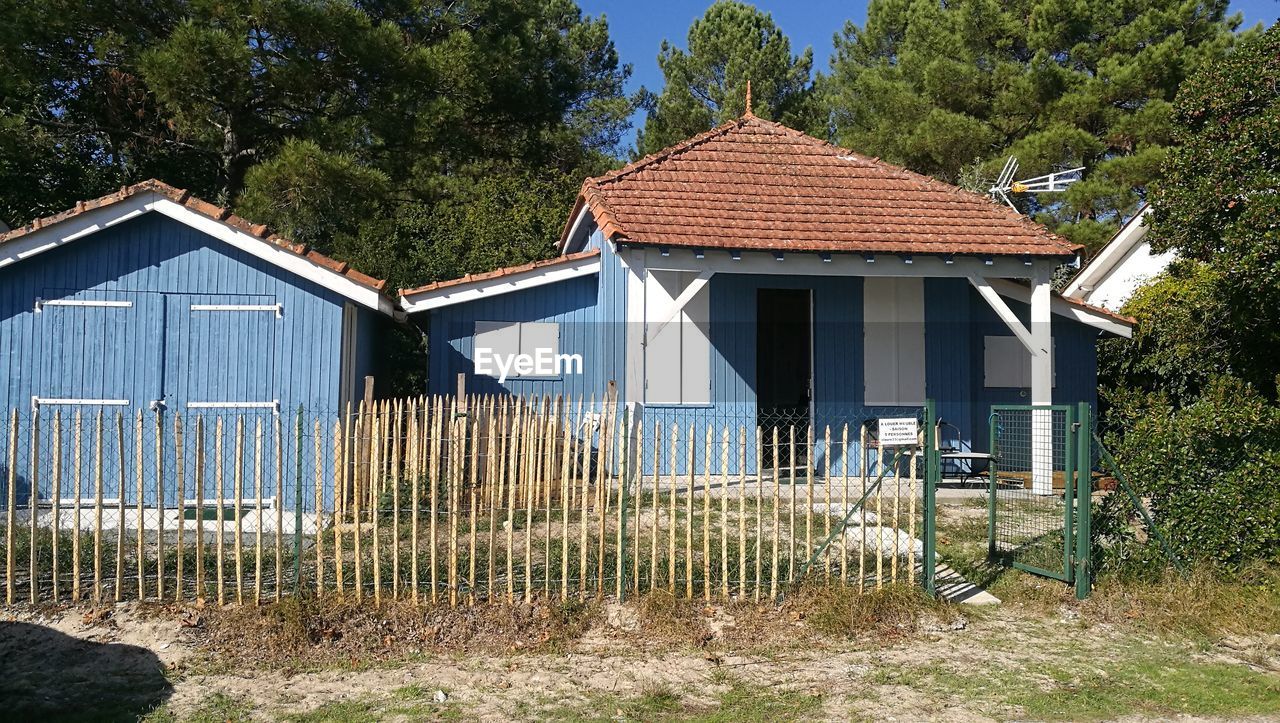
(448, 500)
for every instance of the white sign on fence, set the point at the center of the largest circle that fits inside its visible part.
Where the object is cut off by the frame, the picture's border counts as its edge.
(899, 431)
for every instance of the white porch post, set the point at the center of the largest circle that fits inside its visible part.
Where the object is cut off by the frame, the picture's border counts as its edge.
(1041, 383)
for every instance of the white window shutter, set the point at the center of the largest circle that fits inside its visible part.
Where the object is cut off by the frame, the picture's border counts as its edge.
(893, 341)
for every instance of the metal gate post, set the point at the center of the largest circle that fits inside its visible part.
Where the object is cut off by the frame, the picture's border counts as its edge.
(1068, 494)
(931, 470)
(1084, 503)
(993, 486)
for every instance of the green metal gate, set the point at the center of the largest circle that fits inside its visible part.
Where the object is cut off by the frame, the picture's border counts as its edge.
(1039, 490)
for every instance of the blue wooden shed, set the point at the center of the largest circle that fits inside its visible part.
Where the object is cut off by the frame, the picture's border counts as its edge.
(150, 300)
(754, 276)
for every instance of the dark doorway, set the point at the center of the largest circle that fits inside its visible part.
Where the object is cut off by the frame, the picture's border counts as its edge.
(784, 371)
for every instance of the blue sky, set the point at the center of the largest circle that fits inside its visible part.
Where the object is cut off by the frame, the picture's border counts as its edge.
(639, 26)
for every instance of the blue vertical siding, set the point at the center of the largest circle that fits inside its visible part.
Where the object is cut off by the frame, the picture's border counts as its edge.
(590, 311)
(163, 266)
(159, 349)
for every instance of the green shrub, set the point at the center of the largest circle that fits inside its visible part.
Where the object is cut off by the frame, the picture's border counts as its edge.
(1211, 471)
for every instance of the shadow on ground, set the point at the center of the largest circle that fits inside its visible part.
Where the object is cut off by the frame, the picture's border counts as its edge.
(47, 674)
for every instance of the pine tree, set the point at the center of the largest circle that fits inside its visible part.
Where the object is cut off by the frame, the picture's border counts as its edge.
(706, 85)
(952, 89)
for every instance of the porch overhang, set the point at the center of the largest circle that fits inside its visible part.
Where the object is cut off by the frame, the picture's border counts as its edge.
(1000, 271)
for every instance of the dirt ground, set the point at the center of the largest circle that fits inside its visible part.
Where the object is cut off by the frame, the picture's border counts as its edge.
(819, 657)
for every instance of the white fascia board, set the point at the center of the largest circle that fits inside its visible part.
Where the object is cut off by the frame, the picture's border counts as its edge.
(276, 255)
(1100, 266)
(92, 221)
(807, 263)
(485, 288)
(78, 226)
(1062, 307)
(582, 216)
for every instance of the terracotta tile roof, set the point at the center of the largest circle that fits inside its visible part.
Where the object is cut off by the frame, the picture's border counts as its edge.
(755, 184)
(204, 208)
(506, 271)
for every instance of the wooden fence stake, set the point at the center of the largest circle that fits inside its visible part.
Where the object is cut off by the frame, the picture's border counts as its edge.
(457, 468)
(791, 511)
(257, 493)
(826, 482)
(706, 516)
(180, 473)
(692, 445)
(528, 484)
(340, 444)
(318, 452)
(497, 447)
(742, 512)
(471, 506)
(418, 421)
(11, 507)
(656, 505)
(777, 530)
(911, 522)
(360, 449)
(880, 522)
(218, 513)
(142, 522)
(566, 467)
(897, 501)
(511, 472)
(584, 523)
(724, 512)
(200, 589)
(397, 441)
(844, 503)
(637, 458)
(160, 506)
(97, 517)
(671, 511)
(238, 481)
(602, 492)
(33, 507)
(122, 479)
(433, 479)
(75, 515)
(862, 511)
(374, 481)
(57, 496)
(760, 482)
(279, 502)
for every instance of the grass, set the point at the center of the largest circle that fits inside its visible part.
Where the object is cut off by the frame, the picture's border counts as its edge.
(215, 708)
(411, 702)
(844, 612)
(740, 702)
(1139, 679)
(1203, 604)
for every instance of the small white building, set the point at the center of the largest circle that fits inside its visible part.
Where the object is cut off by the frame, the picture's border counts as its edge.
(1124, 264)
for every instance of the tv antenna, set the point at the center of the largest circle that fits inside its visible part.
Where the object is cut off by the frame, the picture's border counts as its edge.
(1049, 183)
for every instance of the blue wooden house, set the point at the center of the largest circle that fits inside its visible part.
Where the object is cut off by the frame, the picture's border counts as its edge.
(150, 299)
(754, 275)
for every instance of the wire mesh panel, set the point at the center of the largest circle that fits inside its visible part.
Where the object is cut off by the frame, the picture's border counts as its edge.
(1031, 488)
